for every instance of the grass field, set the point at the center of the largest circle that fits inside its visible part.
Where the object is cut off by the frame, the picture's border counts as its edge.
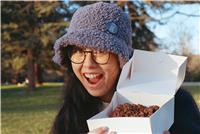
(33, 113)
(29, 113)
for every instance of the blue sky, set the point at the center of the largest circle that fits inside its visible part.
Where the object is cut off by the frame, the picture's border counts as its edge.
(178, 25)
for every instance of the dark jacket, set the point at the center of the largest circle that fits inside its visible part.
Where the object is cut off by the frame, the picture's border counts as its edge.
(187, 115)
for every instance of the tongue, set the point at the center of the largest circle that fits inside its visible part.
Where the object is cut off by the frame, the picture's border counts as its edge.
(94, 80)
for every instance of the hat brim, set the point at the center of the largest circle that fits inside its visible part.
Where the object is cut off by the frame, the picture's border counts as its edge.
(93, 39)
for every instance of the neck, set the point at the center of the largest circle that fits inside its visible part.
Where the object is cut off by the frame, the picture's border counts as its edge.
(108, 97)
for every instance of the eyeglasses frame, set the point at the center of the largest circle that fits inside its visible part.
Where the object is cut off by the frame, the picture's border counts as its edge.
(85, 51)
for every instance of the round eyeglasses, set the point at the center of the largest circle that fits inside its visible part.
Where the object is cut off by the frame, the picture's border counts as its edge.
(77, 55)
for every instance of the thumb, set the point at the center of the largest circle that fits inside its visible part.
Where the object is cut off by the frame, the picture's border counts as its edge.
(166, 132)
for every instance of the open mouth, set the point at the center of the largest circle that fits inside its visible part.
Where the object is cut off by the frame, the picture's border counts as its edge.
(93, 78)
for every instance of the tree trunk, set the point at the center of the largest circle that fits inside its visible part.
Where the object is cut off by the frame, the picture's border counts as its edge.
(31, 71)
(38, 74)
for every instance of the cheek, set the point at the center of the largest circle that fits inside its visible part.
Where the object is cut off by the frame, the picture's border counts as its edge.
(76, 68)
(111, 75)
(112, 71)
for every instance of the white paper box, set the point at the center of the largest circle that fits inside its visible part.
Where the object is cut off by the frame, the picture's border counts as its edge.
(149, 78)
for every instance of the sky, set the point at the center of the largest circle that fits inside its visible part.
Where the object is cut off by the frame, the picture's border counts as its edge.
(178, 25)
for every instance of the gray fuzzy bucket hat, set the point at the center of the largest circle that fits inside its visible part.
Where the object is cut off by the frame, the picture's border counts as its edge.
(100, 26)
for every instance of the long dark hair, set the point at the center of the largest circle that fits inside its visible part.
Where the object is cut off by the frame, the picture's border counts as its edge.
(78, 104)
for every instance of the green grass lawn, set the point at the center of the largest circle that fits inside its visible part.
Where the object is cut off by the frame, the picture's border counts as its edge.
(29, 113)
(33, 113)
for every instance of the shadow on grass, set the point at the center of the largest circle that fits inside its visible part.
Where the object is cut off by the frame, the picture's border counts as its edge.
(31, 108)
(45, 98)
(25, 91)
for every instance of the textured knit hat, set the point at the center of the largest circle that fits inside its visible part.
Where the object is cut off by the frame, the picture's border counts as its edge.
(100, 26)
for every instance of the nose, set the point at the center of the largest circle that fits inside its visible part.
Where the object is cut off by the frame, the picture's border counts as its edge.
(89, 62)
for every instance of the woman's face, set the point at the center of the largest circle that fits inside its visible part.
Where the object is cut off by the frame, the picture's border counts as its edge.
(98, 79)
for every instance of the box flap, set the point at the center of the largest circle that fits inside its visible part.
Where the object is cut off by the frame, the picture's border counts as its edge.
(153, 72)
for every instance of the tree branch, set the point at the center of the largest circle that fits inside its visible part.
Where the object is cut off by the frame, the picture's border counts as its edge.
(190, 15)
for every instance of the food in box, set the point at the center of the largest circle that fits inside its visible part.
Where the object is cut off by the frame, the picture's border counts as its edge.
(133, 110)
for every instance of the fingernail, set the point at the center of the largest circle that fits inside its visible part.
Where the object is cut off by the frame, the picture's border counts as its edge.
(105, 128)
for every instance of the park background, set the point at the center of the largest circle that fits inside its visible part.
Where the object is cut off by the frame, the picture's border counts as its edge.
(31, 84)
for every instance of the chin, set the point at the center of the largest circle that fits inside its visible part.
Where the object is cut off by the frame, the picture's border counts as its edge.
(95, 93)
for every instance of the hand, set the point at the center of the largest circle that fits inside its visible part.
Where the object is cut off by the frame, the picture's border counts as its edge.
(101, 130)
(166, 132)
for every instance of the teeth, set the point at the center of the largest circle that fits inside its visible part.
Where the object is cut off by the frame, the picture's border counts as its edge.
(91, 76)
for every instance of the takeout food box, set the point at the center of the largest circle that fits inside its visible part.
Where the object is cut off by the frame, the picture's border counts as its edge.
(149, 78)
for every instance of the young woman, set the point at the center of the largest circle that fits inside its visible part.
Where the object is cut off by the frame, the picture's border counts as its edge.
(94, 50)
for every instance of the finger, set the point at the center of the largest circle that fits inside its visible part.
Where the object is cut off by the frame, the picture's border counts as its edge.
(113, 132)
(100, 130)
(166, 132)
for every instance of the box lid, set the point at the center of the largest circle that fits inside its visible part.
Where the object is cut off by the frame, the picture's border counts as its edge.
(152, 72)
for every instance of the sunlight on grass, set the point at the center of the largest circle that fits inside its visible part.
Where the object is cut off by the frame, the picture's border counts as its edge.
(45, 84)
(195, 91)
